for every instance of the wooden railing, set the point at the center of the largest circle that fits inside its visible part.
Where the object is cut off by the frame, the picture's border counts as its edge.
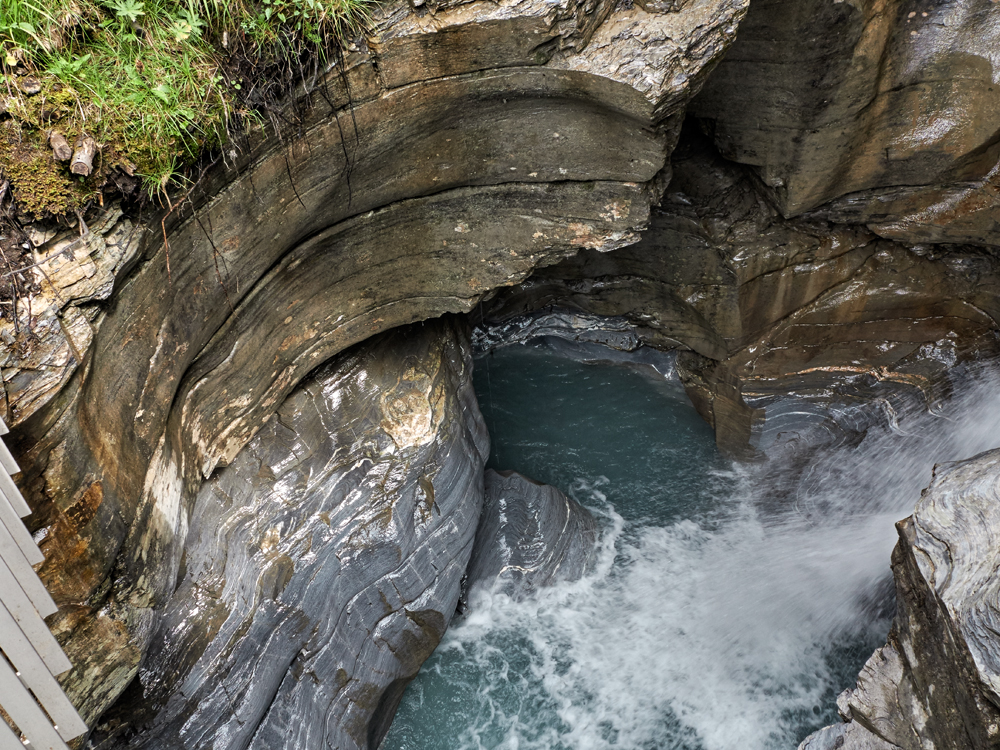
(30, 658)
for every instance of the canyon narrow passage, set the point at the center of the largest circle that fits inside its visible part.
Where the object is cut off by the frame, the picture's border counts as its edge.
(727, 605)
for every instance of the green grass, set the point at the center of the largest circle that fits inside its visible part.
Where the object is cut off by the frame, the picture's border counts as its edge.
(154, 82)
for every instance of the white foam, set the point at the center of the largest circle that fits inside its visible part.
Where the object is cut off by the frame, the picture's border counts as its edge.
(709, 634)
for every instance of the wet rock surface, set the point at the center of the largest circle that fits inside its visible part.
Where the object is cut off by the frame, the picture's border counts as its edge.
(324, 563)
(455, 148)
(766, 307)
(459, 148)
(936, 683)
(530, 535)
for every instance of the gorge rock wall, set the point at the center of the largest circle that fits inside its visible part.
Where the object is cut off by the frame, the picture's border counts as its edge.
(455, 148)
(831, 236)
(883, 115)
(935, 683)
(883, 104)
(324, 564)
(852, 257)
(872, 112)
(764, 307)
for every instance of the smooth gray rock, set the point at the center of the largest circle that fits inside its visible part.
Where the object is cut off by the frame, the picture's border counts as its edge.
(324, 564)
(530, 535)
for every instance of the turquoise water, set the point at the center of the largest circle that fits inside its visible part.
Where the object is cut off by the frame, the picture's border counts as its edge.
(708, 623)
(625, 429)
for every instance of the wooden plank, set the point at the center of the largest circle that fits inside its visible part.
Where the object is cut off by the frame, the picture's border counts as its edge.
(7, 460)
(17, 701)
(25, 639)
(8, 740)
(25, 574)
(36, 676)
(33, 626)
(13, 495)
(20, 534)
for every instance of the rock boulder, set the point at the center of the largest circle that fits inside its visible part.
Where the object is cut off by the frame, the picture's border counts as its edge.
(530, 535)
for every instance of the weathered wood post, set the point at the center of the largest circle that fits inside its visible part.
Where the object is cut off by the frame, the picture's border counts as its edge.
(33, 658)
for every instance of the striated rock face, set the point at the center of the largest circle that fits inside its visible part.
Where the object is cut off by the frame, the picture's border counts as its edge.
(263, 557)
(880, 112)
(455, 148)
(936, 683)
(768, 306)
(829, 98)
(530, 535)
(44, 339)
(324, 563)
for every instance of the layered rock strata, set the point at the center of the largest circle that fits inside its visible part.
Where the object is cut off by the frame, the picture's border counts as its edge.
(885, 108)
(453, 149)
(893, 97)
(936, 682)
(45, 337)
(324, 563)
(460, 147)
(764, 307)
(530, 535)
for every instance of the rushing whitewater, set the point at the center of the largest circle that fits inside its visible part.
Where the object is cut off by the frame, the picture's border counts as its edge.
(729, 604)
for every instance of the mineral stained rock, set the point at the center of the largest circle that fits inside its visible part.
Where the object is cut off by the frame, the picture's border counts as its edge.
(530, 535)
(455, 148)
(324, 563)
(936, 683)
(766, 305)
(887, 108)
(45, 338)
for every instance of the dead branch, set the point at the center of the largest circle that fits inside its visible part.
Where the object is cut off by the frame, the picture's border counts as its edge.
(83, 156)
(60, 146)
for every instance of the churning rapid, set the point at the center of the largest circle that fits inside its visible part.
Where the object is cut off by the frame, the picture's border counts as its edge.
(729, 605)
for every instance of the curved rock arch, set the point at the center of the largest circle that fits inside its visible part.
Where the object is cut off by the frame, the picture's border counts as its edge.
(399, 197)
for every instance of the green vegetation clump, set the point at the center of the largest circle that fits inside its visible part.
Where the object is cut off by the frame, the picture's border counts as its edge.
(154, 82)
(40, 186)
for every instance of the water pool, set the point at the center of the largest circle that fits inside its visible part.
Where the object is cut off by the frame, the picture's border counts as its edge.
(713, 620)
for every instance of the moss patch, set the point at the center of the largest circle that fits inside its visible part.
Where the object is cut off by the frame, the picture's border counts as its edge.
(38, 183)
(154, 82)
